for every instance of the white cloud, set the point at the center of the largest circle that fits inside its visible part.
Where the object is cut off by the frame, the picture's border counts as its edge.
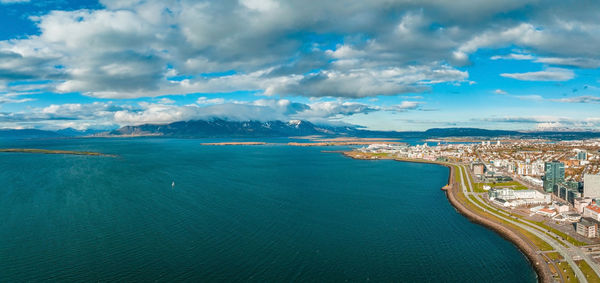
(166, 101)
(135, 48)
(580, 62)
(549, 74)
(513, 56)
(501, 92)
(13, 1)
(204, 100)
(531, 97)
(130, 48)
(586, 63)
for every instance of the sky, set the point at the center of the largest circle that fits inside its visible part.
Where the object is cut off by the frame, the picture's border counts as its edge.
(379, 64)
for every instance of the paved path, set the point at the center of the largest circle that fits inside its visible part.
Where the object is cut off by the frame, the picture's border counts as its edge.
(552, 242)
(577, 250)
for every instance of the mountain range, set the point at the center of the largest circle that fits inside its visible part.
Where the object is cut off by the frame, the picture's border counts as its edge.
(218, 128)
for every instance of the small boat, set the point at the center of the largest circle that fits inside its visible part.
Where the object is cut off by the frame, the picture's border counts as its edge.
(173, 184)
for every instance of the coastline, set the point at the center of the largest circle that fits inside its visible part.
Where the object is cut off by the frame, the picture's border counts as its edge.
(47, 151)
(542, 270)
(535, 259)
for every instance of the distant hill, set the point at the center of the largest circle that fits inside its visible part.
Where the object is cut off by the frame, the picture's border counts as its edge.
(218, 128)
(223, 128)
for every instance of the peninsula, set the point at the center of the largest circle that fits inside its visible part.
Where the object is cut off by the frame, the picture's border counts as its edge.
(47, 151)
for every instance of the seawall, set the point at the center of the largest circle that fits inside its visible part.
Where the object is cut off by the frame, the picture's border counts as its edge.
(536, 260)
(454, 186)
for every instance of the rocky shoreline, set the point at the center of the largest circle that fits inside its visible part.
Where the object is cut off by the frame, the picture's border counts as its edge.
(536, 260)
(453, 187)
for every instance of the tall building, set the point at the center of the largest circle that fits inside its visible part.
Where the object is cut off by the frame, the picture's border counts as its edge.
(554, 175)
(478, 168)
(591, 186)
(582, 155)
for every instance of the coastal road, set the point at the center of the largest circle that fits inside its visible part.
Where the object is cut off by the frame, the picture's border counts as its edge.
(552, 242)
(572, 247)
(578, 251)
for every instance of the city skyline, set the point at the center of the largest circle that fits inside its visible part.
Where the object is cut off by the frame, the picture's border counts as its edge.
(517, 65)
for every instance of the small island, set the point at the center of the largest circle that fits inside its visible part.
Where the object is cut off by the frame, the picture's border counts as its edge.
(47, 151)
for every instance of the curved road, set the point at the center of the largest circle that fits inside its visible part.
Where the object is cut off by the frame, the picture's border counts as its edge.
(571, 247)
(552, 242)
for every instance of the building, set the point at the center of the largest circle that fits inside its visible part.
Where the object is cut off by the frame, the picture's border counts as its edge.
(592, 211)
(581, 202)
(501, 202)
(567, 191)
(591, 186)
(582, 155)
(546, 212)
(587, 227)
(478, 168)
(571, 162)
(572, 217)
(554, 175)
(511, 198)
(572, 195)
(561, 207)
(533, 181)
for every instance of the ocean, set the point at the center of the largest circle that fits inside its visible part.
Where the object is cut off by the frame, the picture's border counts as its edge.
(236, 213)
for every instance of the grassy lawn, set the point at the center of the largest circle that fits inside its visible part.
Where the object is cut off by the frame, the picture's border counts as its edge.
(540, 224)
(554, 256)
(541, 244)
(380, 154)
(559, 233)
(591, 276)
(567, 272)
(564, 268)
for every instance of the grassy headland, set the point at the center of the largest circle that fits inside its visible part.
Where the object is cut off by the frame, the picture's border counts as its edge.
(49, 151)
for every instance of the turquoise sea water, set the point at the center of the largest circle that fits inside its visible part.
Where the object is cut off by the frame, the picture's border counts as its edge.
(236, 213)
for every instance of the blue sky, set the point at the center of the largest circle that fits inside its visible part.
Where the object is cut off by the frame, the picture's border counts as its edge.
(384, 65)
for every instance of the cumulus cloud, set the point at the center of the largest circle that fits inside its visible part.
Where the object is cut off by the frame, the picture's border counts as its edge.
(108, 114)
(362, 82)
(586, 63)
(549, 74)
(151, 48)
(129, 48)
